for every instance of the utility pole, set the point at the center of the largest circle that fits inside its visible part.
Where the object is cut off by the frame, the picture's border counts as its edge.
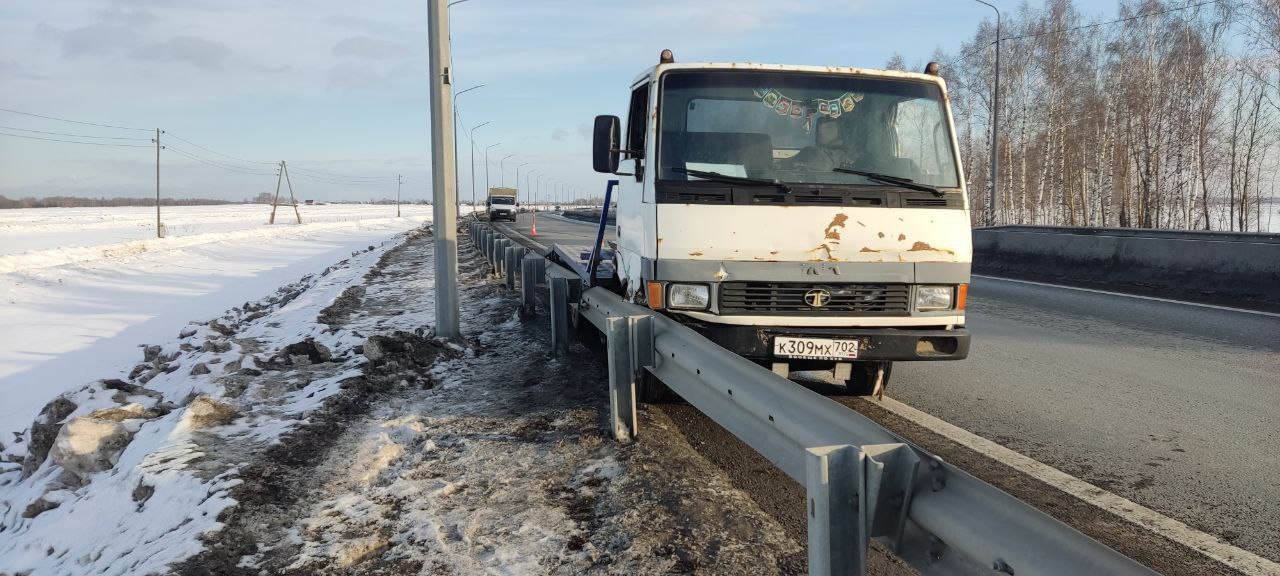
(994, 177)
(444, 209)
(159, 226)
(283, 178)
(502, 171)
(399, 181)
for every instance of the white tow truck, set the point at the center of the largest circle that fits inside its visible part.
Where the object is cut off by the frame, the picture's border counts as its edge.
(804, 217)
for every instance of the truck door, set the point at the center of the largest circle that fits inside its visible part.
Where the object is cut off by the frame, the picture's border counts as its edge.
(634, 230)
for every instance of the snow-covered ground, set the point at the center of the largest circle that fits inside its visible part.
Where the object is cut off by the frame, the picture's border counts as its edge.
(141, 468)
(320, 430)
(38, 229)
(83, 288)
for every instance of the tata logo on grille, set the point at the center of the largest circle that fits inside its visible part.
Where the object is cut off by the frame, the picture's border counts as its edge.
(818, 297)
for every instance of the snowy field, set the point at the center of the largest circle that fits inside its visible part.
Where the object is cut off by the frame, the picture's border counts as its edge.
(43, 229)
(84, 287)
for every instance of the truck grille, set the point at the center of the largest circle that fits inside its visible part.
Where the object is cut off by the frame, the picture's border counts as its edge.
(789, 297)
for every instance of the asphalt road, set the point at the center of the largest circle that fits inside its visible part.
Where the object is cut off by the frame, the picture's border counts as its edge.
(1176, 407)
(554, 229)
(1173, 406)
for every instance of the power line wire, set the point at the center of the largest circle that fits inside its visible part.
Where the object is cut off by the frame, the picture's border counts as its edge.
(336, 182)
(1117, 21)
(965, 56)
(341, 176)
(217, 164)
(75, 141)
(73, 135)
(181, 139)
(74, 121)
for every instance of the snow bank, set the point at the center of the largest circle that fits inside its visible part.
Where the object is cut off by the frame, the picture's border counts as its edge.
(84, 287)
(144, 465)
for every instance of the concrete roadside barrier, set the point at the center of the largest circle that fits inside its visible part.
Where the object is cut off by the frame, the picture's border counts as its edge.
(1227, 268)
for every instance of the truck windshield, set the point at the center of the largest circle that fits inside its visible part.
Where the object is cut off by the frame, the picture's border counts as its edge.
(798, 127)
(502, 200)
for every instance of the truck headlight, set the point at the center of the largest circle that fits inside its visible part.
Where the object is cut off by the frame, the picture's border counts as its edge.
(688, 296)
(934, 297)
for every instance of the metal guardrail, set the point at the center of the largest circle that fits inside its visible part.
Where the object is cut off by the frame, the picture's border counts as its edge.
(861, 480)
(1197, 235)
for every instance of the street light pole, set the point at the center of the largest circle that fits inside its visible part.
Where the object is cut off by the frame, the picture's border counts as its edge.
(502, 172)
(528, 185)
(472, 140)
(456, 184)
(486, 168)
(444, 208)
(518, 167)
(994, 177)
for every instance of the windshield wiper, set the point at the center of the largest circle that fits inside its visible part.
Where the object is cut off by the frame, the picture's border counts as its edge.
(896, 180)
(727, 179)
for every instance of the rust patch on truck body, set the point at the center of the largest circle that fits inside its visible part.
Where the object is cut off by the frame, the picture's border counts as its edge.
(923, 247)
(831, 231)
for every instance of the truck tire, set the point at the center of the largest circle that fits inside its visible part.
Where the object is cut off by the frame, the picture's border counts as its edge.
(863, 380)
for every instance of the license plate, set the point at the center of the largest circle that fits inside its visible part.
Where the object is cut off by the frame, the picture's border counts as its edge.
(815, 348)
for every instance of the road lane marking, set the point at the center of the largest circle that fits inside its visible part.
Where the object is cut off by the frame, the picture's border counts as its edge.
(1208, 544)
(1138, 296)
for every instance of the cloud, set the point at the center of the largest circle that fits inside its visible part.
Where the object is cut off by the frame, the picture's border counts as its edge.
(369, 48)
(201, 52)
(559, 135)
(135, 19)
(584, 130)
(95, 39)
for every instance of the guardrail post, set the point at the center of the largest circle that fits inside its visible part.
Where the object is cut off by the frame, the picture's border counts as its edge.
(890, 480)
(513, 265)
(529, 285)
(559, 288)
(835, 483)
(540, 271)
(500, 256)
(622, 376)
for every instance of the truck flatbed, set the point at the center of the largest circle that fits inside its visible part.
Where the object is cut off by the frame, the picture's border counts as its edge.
(577, 257)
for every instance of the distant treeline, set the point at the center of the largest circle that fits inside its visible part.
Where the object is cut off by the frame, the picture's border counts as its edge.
(75, 202)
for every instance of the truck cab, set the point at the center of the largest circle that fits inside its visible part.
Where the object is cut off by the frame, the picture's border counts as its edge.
(807, 218)
(501, 204)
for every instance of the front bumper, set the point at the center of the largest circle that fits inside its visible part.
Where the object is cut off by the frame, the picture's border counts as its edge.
(877, 344)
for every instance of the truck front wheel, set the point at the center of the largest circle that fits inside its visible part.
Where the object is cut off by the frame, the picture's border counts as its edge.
(862, 380)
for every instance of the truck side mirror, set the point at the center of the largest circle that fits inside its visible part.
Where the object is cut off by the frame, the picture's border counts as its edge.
(604, 144)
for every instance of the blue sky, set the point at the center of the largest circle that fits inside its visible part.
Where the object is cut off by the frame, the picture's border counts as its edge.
(340, 87)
